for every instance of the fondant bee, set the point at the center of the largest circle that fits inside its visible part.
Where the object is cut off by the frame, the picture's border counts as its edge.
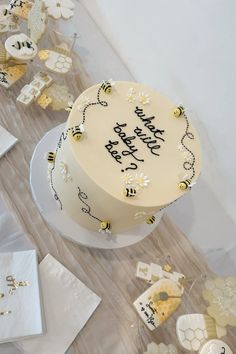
(26, 44)
(77, 132)
(130, 192)
(183, 185)
(51, 157)
(150, 219)
(105, 226)
(179, 111)
(107, 86)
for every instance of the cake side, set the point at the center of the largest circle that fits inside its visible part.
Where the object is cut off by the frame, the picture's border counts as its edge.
(126, 153)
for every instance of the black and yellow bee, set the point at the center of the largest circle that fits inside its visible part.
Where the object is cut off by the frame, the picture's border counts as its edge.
(26, 45)
(51, 157)
(183, 185)
(105, 226)
(179, 111)
(130, 192)
(107, 87)
(76, 132)
(150, 220)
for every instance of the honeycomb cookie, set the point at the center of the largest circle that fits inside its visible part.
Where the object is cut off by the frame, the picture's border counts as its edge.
(194, 330)
(57, 59)
(215, 346)
(158, 303)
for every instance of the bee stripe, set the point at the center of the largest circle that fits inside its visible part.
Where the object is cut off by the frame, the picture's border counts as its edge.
(106, 86)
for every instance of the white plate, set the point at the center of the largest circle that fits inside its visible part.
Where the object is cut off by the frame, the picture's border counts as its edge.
(59, 219)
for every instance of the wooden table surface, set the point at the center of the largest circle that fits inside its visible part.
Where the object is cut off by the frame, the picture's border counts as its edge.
(115, 327)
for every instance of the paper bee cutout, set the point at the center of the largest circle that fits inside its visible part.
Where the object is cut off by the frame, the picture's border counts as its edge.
(37, 20)
(8, 21)
(11, 74)
(20, 8)
(21, 47)
(215, 346)
(57, 59)
(158, 303)
(45, 93)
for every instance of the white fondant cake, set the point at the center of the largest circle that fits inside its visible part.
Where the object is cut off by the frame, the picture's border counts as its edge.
(123, 157)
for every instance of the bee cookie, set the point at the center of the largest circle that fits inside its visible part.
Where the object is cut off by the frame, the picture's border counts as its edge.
(57, 59)
(158, 303)
(21, 47)
(8, 21)
(11, 74)
(194, 330)
(20, 8)
(215, 346)
(37, 21)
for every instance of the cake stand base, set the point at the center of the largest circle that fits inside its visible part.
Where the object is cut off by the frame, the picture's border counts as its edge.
(59, 219)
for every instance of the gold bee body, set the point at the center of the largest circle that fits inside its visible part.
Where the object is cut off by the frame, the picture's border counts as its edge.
(76, 132)
(130, 192)
(179, 111)
(105, 226)
(106, 87)
(51, 157)
(150, 220)
(183, 185)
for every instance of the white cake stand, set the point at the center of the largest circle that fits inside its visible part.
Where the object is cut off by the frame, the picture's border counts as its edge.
(59, 219)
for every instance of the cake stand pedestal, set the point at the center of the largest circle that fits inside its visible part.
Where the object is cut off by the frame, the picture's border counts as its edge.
(59, 219)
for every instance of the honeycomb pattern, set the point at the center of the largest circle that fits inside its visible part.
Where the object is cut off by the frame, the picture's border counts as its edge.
(194, 338)
(220, 293)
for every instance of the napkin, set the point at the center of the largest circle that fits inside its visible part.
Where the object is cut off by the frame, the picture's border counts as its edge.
(7, 141)
(68, 305)
(20, 303)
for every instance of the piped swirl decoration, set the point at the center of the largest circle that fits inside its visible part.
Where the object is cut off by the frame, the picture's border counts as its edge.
(63, 137)
(87, 209)
(189, 164)
(99, 101)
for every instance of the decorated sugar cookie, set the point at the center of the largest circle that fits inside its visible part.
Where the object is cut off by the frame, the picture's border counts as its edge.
(20, 8)
(8, 21)
(154, 272)
(11, 74)
(220, 293)
(57, 59)
(21, 47)
(60, 8)
(215, 346)
(158, 303)
(32, 91)
(161, 348)
(196, 329)
(37, 21)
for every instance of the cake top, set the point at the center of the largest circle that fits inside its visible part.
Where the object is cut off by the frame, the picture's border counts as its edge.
(135, 144)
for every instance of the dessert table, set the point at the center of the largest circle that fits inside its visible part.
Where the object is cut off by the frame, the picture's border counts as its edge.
(115, 326)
